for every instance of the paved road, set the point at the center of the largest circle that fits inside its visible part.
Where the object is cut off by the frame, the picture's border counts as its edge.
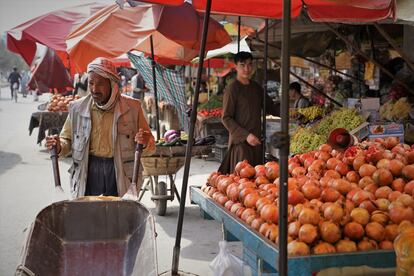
(26, 186)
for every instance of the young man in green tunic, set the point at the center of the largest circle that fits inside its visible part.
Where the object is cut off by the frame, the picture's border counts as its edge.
(242, 109)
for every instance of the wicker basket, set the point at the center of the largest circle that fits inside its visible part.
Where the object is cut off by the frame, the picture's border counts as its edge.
(161, 165)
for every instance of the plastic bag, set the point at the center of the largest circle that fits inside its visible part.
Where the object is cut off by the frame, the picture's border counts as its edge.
(225, 263)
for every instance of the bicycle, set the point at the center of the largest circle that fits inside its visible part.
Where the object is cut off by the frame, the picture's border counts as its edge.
(15, 88)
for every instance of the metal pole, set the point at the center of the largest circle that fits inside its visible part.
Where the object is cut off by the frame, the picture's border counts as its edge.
(208, 80)
(154, 81)
(265, 91)
(284, 149)
(177, 246)
(238, 33)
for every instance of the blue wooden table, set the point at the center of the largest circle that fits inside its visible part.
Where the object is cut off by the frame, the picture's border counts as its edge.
(262, 254)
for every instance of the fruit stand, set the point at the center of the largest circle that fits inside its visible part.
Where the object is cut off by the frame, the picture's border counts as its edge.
(261, 254)
(345, 207)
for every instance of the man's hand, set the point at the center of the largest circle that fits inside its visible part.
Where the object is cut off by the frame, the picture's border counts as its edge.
(53, 141)
(142, 137)
(252, 140)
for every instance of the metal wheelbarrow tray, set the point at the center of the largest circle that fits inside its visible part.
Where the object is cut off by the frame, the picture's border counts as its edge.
(91, 237)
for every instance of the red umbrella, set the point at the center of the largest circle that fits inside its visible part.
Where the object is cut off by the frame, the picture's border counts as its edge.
(50, 73)
(49, 29)
(175, 31)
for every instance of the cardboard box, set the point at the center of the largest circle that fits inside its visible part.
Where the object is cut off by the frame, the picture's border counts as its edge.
(386, 130)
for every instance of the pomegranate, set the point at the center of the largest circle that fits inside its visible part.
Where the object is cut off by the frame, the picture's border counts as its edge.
(353, 177)
(247, 213)
(354, 231)
(367, 170)
(228, 205)
(342, 168)
(398, 213)
(382, 204)
(360, 216)
(391, 232)
(369, 205)
(398, 184)
(309, 216)
(408, 172)
(394, 195)
(256, 223)
(361, 196)
(371, 188)
(396, 167)
(260, 170)
(261, 180)
(375, 231)
(383, 192)
(270, 213)
(380, 217)
(298, 171)
(325, 147)
(391, 142)
(332, 163)
(295, 197)
(251, 199)
(358, 162)
(330, 195)
(247, 172)
(323, 248)
(311, 191)
(333, 212)
(367, 244)
(272, 232)
(293, 229)
(365, 181)
(409, 188)
(308, 233)
(382, 177)
(272, 170)
(297, 248)
(330, 232)
(332, 174)
(383, 164)
(386, 245)
(346, 246)
(341, 185)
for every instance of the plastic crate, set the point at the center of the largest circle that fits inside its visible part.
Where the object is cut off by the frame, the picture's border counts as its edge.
(219, 151)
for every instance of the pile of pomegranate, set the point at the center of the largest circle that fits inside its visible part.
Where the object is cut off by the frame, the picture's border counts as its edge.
(355, 200)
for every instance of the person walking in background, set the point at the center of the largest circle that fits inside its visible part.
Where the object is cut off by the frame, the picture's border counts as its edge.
(14, 80)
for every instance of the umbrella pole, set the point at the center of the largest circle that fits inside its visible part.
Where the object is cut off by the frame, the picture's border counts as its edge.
(177, 246)
(284, 141)
(154, 81)
(238, 33)
(265, 91)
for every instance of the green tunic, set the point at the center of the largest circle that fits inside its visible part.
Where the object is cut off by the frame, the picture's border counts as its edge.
(242, 110)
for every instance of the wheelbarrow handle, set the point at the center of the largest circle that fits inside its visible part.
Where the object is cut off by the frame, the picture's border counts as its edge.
(55, 164)
(137, 161)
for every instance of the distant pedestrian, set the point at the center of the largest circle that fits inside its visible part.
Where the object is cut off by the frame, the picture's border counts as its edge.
(14, 78)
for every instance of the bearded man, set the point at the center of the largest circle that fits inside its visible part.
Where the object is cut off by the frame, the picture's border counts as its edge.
(100, 133)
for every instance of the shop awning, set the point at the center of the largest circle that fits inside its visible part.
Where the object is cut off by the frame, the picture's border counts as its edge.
(318, 10)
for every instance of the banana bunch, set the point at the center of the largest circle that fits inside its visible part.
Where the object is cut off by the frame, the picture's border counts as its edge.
(310, 113)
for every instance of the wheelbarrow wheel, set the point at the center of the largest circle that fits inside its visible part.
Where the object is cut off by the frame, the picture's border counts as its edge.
(161, 204)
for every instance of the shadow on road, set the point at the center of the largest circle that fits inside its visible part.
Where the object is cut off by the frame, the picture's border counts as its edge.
(195, 229)
(8, 160)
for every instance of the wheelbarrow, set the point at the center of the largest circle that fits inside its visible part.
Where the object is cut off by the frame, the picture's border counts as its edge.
(90, 236)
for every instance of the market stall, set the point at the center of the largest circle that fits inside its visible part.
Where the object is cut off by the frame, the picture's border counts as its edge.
(51, 116)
